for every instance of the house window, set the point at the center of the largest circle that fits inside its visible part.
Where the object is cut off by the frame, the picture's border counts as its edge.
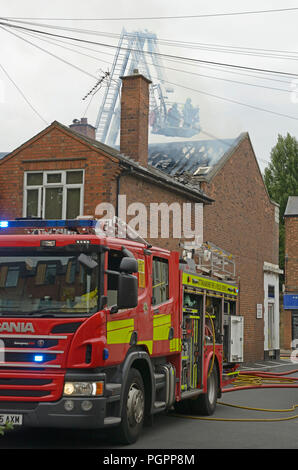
(160, 280)
(271, 292)
(54, 194)
(9, 276)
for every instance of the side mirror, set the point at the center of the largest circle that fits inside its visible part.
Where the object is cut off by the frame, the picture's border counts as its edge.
(87, 262)
(129, 265)
(127, 291)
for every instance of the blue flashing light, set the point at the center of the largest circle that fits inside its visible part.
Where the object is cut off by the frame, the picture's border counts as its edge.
(38, 358)
(40, 223)
(105, 354)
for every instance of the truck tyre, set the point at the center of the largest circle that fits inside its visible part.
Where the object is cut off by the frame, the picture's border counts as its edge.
(182, 407)
(133, 409)
(205, 403)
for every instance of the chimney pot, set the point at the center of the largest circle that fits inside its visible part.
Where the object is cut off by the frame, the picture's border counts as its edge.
(82, 127)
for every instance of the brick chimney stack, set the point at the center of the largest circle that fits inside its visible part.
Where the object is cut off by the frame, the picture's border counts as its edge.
(134, 117)
(82, 127)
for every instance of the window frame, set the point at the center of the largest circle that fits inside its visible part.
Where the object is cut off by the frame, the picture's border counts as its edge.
(41, 203)
(167, 262)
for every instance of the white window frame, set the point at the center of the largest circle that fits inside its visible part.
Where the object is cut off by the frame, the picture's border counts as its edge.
(42, 187)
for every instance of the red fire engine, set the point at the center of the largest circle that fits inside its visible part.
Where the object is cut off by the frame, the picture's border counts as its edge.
(101, 331)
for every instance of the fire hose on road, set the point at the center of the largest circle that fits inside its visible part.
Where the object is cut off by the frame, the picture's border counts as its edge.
(254, 380)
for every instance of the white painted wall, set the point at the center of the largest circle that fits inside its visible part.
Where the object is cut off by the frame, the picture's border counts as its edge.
(272, 279)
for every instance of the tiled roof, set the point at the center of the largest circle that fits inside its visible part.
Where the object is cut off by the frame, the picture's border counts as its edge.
(197, 158)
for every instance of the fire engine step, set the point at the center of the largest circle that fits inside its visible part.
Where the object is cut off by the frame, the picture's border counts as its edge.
(112, 420)
(159, 404)
(191, 393)
(160, 380)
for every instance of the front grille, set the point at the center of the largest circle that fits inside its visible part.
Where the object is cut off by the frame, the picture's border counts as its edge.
(23, 393)
(22, 351)
(30, 386)
(31, 366)
(24, 381)
(28, 357)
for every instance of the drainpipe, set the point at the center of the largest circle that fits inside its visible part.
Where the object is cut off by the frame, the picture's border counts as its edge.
(123, 172)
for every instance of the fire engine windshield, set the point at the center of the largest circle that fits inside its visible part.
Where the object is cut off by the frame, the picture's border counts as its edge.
(47, 284)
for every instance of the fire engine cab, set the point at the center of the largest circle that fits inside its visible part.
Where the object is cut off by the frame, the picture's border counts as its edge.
(101, 330)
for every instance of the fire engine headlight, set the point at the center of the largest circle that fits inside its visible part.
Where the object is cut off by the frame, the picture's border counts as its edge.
(83, 389)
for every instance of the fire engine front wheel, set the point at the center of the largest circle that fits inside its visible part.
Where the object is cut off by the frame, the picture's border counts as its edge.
(133, 409)
(205, 403)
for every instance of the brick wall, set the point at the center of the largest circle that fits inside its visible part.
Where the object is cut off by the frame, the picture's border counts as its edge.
(57, 150)
(291, 254)
(134, 117)
(285, 327)
(242, 221)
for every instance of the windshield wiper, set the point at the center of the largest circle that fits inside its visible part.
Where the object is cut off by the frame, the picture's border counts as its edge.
(54, 309)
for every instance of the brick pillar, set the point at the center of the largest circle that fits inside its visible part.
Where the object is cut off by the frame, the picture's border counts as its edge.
(134, 117)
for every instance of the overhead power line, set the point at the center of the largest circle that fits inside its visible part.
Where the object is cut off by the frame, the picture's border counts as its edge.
(202, 15)
(187, 59)
(236, 72)
(22, 94)
(270, 53)
(59, 43)
(258, 108)
(231, 100)
(50, 53)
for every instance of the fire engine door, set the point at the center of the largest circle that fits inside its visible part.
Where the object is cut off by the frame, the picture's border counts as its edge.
(162, 306)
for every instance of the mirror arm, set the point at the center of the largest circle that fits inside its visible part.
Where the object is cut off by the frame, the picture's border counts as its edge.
(113, 273)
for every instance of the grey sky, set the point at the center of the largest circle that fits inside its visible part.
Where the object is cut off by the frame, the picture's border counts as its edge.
(56, 90)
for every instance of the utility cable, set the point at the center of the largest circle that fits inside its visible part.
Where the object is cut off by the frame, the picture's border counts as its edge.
(57, 42)
(159, 54)
(50, 53)
(171, 60)
(23, 95)
(202, 15)
(230, 100)
(261, 52)
(258, 108)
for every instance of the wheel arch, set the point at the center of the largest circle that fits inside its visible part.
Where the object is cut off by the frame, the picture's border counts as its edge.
(140, 361)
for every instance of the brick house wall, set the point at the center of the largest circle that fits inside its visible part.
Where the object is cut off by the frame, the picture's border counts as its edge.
(56, 150)
(242, 221)
(291, 270)
(291, 252)
(285, 328)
